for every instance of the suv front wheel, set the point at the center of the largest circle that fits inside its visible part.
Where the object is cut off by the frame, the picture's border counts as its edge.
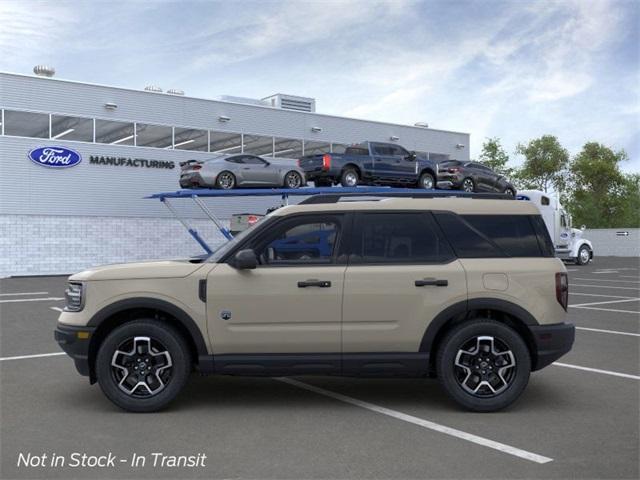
(142, 365)
(483, 365)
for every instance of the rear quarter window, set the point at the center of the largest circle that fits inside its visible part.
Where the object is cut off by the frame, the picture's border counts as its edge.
(513, 234)
(467, 241)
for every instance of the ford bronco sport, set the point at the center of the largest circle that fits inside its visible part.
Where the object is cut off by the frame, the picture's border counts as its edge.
(463, 289)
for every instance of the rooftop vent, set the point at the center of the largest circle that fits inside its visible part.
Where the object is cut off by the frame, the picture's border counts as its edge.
(153, 88)
(44, 71)
(291, 102)
(421, 124)
(175, 91)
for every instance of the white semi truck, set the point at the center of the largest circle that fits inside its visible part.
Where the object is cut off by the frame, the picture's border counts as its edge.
(567, 240)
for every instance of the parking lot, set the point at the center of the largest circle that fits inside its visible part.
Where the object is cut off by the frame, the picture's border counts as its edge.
(578, 418)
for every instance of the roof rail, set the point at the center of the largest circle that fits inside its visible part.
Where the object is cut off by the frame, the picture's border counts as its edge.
(336, 197)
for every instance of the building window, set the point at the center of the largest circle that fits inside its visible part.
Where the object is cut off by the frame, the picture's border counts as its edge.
(157, 136)
(71, 128)
(287, 148)
(315, 148)
(190, 139)
(258, 145)
(114, 133)
(26, 124)
(225, 142)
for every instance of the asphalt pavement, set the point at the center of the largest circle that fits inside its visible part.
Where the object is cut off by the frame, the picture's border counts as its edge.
(578, 418)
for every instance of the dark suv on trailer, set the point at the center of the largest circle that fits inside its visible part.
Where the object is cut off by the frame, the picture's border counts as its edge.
(472, 177)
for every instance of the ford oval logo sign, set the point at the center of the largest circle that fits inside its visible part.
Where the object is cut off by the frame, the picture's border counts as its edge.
(55, 157)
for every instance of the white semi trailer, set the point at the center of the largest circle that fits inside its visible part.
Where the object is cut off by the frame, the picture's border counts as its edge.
(567, 240)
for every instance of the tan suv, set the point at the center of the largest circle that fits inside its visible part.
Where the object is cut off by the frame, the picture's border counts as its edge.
(465, 289)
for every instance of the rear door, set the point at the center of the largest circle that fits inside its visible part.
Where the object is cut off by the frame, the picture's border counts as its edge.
(383, 159)
(401, 274)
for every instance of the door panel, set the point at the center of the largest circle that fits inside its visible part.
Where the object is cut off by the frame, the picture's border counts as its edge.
(269, 313)
(385, 312)
(402, 273)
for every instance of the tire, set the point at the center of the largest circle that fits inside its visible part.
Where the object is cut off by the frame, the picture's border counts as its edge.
(509, 191)
(461, 382)
(584, 255)
(167, 370)
(225, 180)
(293, 180)
(349, 178)
(427, 181)
(468, 185)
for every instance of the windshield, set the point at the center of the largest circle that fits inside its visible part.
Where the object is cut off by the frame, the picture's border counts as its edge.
(226, 247)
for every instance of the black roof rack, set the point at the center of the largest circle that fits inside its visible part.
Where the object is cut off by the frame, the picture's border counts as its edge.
(336, 197)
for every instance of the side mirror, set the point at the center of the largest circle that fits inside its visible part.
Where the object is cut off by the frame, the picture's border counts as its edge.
(245, 260)
(412, 156)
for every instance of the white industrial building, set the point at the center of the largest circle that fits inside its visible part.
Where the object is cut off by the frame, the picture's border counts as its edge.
(130, 142)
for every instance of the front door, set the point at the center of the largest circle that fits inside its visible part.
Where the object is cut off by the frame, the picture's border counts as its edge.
(256, 171)
(401, 274)
(291, 303)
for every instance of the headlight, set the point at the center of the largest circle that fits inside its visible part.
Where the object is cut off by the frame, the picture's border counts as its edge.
(74, 295)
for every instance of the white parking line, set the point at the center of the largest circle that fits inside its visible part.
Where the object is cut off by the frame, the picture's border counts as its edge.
(610, 310)
(49, 299)
(604, 272)
(57, 309)
(628, 276)
(597, 370)
(596, 295)
(23, 357)
(608, 331)
(22, 293)
(605, 280)
(605, 302)
(485, 442)
(612, 287)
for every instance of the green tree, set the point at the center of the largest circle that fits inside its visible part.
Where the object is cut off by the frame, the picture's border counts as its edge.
(494, 156)
(600, 195)
(545, 164)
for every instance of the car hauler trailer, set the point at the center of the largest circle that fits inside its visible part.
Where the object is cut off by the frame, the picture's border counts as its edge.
(567, 240)
(322, 194)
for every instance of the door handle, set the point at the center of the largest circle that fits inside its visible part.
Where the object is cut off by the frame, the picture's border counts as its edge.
(427, 282)
(314, 283)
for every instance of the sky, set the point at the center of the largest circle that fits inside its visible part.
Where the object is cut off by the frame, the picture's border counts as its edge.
(514, 70)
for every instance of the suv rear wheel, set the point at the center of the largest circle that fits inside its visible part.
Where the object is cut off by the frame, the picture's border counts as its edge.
(142, 365)
(468, 185)
(483, 365)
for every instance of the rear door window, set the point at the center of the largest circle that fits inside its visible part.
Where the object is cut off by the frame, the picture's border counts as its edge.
(398, 237)
(467, 241)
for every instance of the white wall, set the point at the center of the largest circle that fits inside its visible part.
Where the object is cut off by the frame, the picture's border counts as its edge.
(607, 242)
(50, 245)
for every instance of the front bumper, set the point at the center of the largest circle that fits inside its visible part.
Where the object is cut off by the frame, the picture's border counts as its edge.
(75, 342)
(551, 342)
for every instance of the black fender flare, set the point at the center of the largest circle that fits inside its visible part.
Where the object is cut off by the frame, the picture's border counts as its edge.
(154, 304)
(461, 309)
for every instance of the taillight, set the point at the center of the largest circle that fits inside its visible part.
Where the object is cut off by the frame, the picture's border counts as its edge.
(326, 161)
(196, 167)
(251, 219)
(562, 289)
(299, 163)
(454, 170)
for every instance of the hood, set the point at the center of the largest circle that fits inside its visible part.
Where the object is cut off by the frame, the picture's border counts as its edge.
(139, 270)
(576, 233)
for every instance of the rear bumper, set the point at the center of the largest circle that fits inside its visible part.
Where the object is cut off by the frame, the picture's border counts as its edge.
(75, 345)
(192, 180)
(551, 342)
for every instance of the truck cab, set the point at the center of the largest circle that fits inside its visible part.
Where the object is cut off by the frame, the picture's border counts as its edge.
(568, 241)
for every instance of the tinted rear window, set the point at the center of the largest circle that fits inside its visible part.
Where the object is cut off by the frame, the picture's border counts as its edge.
(394, 238)
(544, 239)
(514, 234)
